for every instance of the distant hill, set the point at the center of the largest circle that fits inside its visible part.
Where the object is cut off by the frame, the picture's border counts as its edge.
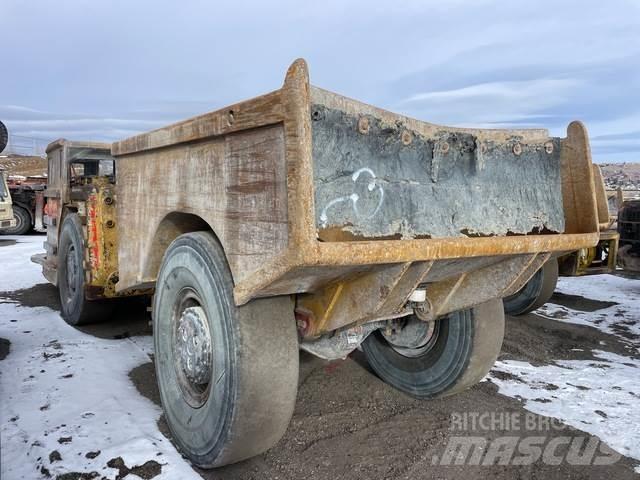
(24, 165)
(623, 175)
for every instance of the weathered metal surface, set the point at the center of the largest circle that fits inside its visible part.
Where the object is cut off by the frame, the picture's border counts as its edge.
(383, 293)
(394, 182)
(101, 242)
(234, 185)
(60, 197)
(94, 199)
(187, 176)
(604, 219)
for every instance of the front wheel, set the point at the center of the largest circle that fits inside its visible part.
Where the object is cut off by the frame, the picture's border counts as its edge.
(76, 309)
(536, 292)
(440, 358)
(228, 375)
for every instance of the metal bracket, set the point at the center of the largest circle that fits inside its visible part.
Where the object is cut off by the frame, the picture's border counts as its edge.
(440, 149)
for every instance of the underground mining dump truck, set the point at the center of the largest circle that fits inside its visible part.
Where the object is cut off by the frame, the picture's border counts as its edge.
(302, 219)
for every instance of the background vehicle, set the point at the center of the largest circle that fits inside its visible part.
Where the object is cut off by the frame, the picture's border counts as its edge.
(595, 260)
(629, 230)
(27, 194)
(303, 219)
(6, 211)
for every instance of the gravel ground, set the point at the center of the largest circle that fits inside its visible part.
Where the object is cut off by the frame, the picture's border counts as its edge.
(349, 424)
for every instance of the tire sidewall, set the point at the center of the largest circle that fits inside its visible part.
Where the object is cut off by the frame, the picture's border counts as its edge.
(23, 222)
(523, 300)
(188, 263)
(71, 235)
(433, 373)
(470, 346)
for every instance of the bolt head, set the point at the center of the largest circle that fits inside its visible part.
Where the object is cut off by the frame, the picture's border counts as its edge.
(517, 149)
(363, 125)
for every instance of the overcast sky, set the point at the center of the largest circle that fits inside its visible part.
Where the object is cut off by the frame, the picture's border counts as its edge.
(107, 70)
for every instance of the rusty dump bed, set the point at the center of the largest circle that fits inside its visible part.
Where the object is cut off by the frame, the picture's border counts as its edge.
(306, 190)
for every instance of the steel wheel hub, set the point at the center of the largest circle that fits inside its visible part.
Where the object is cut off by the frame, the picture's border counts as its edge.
(414, 339)
(193, 346)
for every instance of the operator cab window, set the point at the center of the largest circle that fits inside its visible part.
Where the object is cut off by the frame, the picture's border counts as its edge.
(86, 162)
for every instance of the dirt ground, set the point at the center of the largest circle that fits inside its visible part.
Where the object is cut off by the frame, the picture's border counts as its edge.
(349, 424)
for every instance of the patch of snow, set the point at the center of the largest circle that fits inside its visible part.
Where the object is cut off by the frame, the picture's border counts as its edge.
(599, 397)
(620, 319)
(18, 271)
(58, 383)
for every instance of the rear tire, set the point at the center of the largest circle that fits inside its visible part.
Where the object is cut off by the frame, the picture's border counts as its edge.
(23, 222)
(536, 292)
(465, 347)
(227, 375)
(75, 308)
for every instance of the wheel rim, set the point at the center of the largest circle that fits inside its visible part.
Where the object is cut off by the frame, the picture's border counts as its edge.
(419, 338)
(71, 274)
(192, 348)
(18, 219)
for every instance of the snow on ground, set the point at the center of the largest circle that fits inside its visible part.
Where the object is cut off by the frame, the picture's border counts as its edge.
(17, 271)
(620, 319)
(599, 397)
(66, 391)
(62, 390)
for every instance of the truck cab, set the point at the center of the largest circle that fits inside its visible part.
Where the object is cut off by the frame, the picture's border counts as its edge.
(80, 184)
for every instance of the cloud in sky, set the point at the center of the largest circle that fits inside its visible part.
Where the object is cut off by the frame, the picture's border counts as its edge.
(108, 70)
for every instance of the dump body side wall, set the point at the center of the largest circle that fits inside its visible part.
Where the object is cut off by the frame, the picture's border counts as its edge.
(235, 183)
(156, 169)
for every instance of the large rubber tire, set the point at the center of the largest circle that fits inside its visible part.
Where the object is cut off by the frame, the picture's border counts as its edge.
(242, 404)
(4, 137)
(465, 347)
(23, 222)
(536, 292)
(75, 308)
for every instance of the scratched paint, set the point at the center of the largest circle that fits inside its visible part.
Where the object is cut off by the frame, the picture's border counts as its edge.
(354, 198)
